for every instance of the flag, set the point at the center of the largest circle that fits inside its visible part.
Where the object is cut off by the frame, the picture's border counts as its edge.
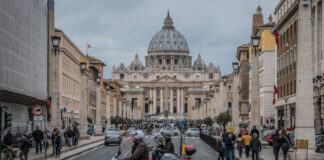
(277, 34)
(88, 45)
(49, 101)
(275, 91)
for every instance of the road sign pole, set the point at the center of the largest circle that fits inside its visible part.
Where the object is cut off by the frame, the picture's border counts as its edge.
(0, 130)
(45, 119)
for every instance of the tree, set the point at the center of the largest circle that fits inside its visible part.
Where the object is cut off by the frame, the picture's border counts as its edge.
(208, 121)
(223, 119)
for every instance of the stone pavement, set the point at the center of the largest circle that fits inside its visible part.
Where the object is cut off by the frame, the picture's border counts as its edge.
(93, 140)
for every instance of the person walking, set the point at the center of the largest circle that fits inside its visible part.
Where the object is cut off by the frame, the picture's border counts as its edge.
(220, 148)
(255, 130)
(25, 144)
(247, 140)
(229, 145)
(76, 136)
(38, 137)
(276, 144)
(240, 144)
(285, 143)
(255, 146)
(70, 136)
(46, 139)
(53, 137)
(58, 144)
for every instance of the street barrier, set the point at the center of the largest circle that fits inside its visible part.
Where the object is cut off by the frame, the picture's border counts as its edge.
(211, 141)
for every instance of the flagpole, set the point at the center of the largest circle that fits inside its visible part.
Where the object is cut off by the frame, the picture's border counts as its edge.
(87, 48)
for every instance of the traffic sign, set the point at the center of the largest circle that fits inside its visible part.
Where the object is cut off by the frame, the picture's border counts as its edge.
(230, 127)
(37, 110)
(38, 118)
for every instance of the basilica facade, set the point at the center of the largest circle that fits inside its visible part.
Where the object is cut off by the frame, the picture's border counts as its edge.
(169, 85)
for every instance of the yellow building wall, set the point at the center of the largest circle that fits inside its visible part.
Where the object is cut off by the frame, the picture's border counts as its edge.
(268, 41)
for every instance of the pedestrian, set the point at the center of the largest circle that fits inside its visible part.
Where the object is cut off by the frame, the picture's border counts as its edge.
(53, 137)
(70, 136)
(275, 144)
(285, 143)
(233, 140)
(46, 139)
(220, 148)
(247, 140)
(229, 146)
(240, 144)
(255, 130)
(255, 146)
(58, 144)
(77, 136)
(25, 144)
(38, 137)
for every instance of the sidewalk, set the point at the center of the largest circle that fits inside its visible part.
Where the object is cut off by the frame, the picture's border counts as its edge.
(93, 140)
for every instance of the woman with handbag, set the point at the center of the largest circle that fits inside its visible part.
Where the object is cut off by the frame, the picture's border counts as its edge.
(285, 143)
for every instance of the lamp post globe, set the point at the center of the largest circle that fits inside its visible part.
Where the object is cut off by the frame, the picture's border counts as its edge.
(235, 66)
(255, 40)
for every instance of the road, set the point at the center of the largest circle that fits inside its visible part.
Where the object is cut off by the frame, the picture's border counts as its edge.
(204, 152)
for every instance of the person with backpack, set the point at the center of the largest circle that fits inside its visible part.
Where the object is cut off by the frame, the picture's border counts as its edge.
(285, 143)
(38, 138)
(58, 144)
(229, 144)
(53, 136)
(275, 144)
(255, 146)
(240, 144)
(220, 148)
(25, 144)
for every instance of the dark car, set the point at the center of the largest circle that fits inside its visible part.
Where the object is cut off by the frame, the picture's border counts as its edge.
(112, 137)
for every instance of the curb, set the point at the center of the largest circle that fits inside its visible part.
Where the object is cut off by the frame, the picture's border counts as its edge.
(69, 149)
(77, 153)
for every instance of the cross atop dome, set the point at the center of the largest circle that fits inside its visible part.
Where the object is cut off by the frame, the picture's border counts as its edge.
(168, 23)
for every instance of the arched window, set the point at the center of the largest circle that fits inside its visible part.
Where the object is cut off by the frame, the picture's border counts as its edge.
(230, 88)
(229, 105)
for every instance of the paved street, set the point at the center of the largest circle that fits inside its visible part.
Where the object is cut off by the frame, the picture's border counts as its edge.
(204, 152)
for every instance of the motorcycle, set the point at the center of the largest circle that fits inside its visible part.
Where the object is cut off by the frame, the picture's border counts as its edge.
(189, 151)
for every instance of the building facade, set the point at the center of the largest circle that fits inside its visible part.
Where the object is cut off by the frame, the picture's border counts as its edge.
(169, 84)
(23, 60)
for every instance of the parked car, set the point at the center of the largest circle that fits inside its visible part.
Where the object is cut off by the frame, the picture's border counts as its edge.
(166, 130)
(193, 132)
(176, 132)
(112, 137)
(131, 130)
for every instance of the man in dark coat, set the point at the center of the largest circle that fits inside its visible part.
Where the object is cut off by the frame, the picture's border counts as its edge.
(169, 147)
(25, 144)
(38, 137)
(254, 130)
(229, 146)
(139, 149)
(276, 144)
(255, 146)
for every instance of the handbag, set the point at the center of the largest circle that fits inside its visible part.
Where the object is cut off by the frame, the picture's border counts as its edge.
(286, 146)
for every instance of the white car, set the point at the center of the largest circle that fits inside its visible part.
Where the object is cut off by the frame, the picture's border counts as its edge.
(176, 132)
(193, 132)
(166, 130)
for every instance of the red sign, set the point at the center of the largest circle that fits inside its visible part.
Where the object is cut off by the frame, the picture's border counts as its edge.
(37, 110)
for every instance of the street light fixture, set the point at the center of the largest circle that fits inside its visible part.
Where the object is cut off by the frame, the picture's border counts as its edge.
(224, 79)
(115, 93)
(83, 66)
(255, 40)
(235, 66)
(108, 89)
(56, 43)
(217, 87)
(98, 80)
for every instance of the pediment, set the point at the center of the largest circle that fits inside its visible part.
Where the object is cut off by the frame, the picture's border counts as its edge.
(166, 79)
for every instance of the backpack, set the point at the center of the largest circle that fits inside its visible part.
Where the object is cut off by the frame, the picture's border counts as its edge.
(222, 148)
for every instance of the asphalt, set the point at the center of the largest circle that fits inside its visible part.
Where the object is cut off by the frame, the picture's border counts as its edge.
(204, 152)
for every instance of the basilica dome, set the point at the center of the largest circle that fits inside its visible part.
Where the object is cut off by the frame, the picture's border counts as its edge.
(168, 39)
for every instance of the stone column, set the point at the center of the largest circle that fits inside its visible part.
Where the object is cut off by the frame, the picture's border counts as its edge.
(178, 101)
(182, 100)
(84, 106)
(108, 110)
(150, 104)
(154, 100)
(115, 107)
(171, 101)
(161, 101)
(304, 128)
(98, 111)
(255, 110)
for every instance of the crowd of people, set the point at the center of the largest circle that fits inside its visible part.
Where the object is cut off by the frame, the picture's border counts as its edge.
(41, 140)
(250, 142)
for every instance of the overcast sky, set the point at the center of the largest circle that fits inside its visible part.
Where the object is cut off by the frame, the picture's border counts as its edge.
(118, 29)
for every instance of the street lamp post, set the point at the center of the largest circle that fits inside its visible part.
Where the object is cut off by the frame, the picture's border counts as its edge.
(317, 86)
